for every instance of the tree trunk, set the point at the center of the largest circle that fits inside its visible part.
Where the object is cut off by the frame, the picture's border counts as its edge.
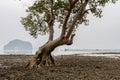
(43, 56)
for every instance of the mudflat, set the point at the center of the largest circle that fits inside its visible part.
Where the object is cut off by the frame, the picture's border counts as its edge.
(68, 67)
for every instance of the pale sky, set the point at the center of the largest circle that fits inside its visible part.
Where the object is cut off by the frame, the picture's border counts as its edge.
(101, 33)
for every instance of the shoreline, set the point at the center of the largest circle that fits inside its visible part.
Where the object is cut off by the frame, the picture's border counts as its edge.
(115, 55)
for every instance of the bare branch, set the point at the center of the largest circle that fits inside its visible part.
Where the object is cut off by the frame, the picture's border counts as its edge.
(80, 13)
(50, 23)
(71, 39)
(70, 1)
(81, 1)
(66, 18)
(86, 11)
(74, 2)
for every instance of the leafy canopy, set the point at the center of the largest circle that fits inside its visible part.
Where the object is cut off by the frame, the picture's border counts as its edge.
(39, 14)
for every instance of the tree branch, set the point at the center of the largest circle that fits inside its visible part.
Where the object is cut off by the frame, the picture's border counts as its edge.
(71, 39)
(50, 23)
(74, 2)
(80, 13)
(67, 17)
(70, 1)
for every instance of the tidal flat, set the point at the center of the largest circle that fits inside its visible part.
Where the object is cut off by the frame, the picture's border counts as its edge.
(68, 67)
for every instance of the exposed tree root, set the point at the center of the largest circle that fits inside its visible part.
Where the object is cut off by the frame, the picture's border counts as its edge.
(41, 59)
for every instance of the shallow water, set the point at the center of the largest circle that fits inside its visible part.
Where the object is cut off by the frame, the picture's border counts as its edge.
(109, 54)
(103, 55)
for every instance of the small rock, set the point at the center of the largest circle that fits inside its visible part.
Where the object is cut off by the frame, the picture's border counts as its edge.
(98, 67)
(0, 64)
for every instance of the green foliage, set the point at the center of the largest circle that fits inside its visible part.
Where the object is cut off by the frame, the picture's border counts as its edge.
(39, 14)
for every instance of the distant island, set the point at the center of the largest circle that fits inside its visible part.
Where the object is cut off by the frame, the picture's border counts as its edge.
(18, 47)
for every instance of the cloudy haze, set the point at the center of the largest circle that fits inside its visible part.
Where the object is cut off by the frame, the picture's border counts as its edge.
(100, 34)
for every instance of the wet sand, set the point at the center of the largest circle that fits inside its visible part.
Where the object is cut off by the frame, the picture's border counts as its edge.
(69, 67)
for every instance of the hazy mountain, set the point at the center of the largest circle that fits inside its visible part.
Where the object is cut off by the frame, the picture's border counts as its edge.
(18, 46)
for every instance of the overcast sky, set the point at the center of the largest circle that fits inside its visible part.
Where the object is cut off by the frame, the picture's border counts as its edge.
(101, 33)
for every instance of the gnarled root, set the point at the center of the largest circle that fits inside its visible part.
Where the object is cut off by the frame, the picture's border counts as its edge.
(41, 60)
